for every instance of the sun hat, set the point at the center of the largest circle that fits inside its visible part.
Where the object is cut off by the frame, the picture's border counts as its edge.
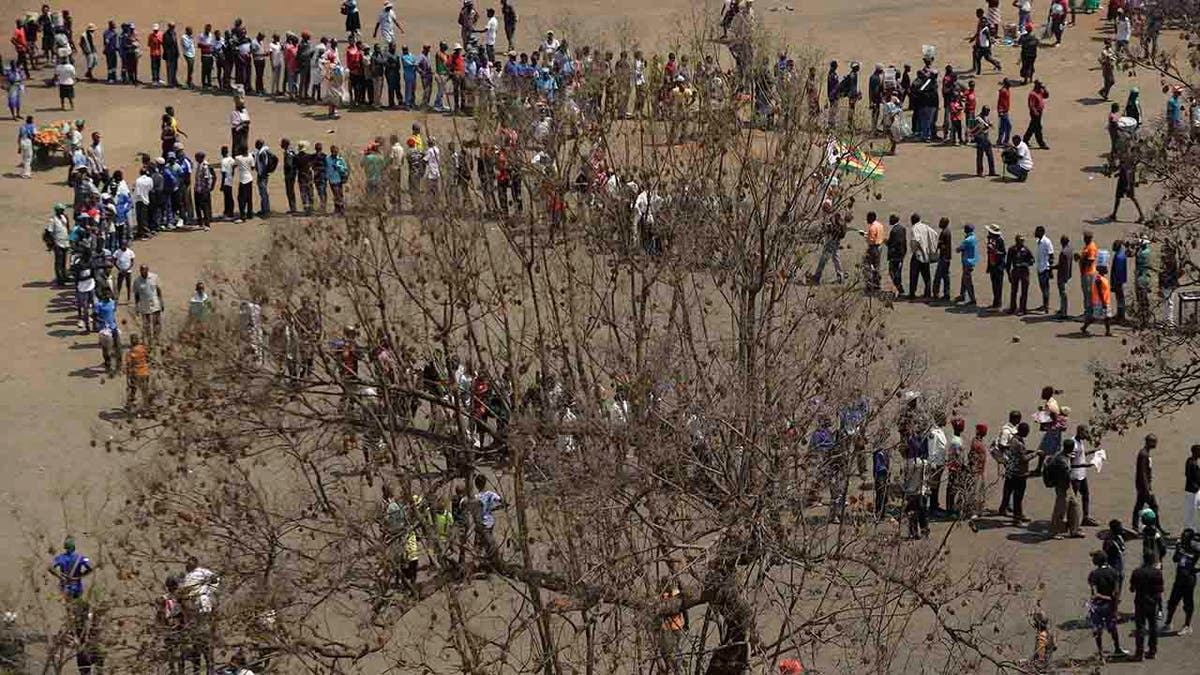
(993, 229)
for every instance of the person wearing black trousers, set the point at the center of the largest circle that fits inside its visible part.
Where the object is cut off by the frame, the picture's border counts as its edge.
(996, 263)
(1146, 583)
(1020, 259)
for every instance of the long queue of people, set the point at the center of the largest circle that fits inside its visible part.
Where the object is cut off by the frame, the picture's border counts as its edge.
(1103, 274)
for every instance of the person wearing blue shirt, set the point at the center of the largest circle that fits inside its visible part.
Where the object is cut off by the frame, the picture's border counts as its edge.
(1175, 111)
(969, 257)
(409, 61)
(1119, 275)
(337, 172)
(70, 568)
(546, 85)
(105, 308)
(25, 134)
(111, 48)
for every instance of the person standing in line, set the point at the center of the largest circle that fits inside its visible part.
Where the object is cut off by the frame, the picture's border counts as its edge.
(228, 167)
(205, 178)
(320, 178)
(1105, 584)
(1120, 275)
(289, 173)
(936, 450)
(1101, 299)
(1018, 260)
(337, 173)
(278, 73)
(155, 42)
(1187, 556)
(1037, 108)
(171, 54)
(969, 258)
(123, 260)
(259, 51)
(1191, 488)
(924, 250)
(897, 247)
(1064, 268)
(111, 43)
(244, 171)
(834, 232)
(509, 12)
(1143, 483)
(1087, 268)
(996, 264)
(874, 255)
(1146, 583)
(148, 301)
(265, 163)
(187, 47)
(1080, 463)
(304, 176)
(1016, 474)
(87, 47)
(945, 248)
(206, 42)
(1045, 266)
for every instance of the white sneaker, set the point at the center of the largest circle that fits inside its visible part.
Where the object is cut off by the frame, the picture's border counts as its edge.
(1186, 630)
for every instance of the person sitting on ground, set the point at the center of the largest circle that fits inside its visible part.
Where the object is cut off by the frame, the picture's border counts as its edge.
(1018, 160)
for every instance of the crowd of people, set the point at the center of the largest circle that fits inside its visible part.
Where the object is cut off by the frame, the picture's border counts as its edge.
(91, 238)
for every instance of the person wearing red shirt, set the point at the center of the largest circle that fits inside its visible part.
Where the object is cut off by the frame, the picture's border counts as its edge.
(1003, 104)
(21, 44)
(354, 64)
(1037, 106)
(458, 76)
(155, 41)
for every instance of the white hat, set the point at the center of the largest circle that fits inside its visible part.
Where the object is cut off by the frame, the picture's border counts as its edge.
(458, 46)
(993, 229)
(154, 27)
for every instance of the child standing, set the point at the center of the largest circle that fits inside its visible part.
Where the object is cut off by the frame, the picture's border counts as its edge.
(956, 122)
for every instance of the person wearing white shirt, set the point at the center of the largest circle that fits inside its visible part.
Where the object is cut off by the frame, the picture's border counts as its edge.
(935, 447)
(549, 45)
(924, 253)
(387, 25)
(1024, 13)
(1045, 264)
(64, 75)
(187, 46)
(1124, 31)
(123, 259)
(244, 172)
(645, 207)
(239, 127)
(489, 35)
(433, 167)
(275, 53)
(1023, 163)
(1081, 461)
(142, 187)
(227, 183)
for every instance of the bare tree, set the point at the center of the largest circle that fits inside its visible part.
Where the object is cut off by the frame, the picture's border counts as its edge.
(630, 360)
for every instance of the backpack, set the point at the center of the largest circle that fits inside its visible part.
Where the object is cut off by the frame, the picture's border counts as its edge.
(272, 162)
(1057, 471)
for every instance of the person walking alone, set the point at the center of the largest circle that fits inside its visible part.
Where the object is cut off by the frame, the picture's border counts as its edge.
(1144, 483)
(980, 133)
(1037, 108)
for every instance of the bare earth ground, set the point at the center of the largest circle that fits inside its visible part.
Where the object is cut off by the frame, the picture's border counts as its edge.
(50, 391)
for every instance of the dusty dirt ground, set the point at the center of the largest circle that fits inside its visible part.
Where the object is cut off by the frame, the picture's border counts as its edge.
(53, 399)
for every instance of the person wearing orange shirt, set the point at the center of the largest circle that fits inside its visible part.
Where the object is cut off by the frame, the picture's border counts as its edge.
(1100, 297)
(137, 371)
(1087, 269)
(673, 627)
(874, 235)
(155, 41)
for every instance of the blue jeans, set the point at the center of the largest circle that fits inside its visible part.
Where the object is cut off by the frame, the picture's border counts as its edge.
(264, 198)
(1005, 129)
(410, 91)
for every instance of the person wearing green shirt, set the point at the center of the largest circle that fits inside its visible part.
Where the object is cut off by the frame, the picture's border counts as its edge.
(373, 165)
(1141, 263)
